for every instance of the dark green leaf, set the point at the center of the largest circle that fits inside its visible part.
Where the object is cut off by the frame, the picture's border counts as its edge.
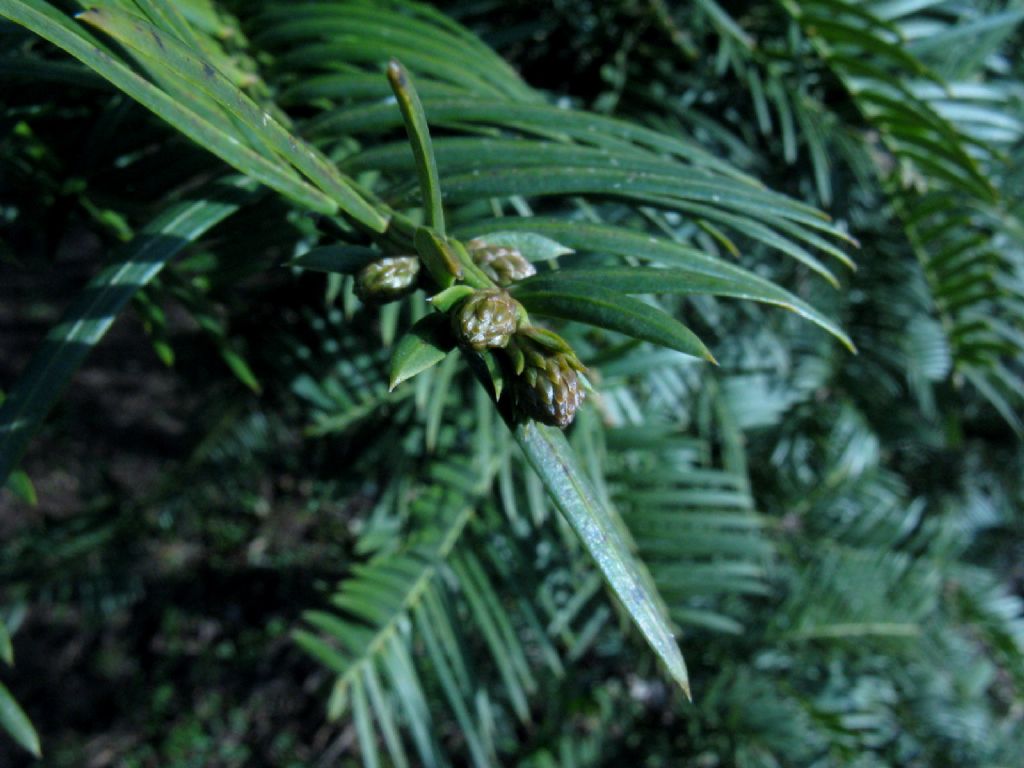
(588, 303)
(183, 64)
(682, 282)
(602, 238)
(419, 137)
(342, 259)
(426, 344)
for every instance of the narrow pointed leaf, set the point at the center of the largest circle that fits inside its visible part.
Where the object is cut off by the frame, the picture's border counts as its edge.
(385, 716)
(602, 238)
(451, 690)
(532, 246)
(364, 725)
(682, 282)
(192, 71)
(549, 454)
(419, 137)
(588, 303)
(426, 344)
(341, 259)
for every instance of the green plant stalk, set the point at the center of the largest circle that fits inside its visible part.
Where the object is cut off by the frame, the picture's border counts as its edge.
(546, 448)
(419, 137)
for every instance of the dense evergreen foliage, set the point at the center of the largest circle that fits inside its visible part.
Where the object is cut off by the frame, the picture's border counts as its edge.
(472, 360)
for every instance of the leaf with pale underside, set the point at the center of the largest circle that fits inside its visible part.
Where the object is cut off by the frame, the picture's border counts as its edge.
(532, 246)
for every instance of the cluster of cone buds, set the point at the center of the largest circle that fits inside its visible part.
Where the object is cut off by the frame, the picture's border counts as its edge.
(551, 386)
(387, 279)
(551, 381)
(502, 264)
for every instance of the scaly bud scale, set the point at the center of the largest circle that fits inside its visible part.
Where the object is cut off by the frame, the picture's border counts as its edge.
(486, 319)
(502, 264)
(387, 279)
(550, 389)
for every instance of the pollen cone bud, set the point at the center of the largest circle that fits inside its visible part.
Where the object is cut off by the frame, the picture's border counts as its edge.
(487, 319)
(387, 279)
(502, 264)
(549, 388)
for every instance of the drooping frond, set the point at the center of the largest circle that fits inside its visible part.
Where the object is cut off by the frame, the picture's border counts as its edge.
(944, 142)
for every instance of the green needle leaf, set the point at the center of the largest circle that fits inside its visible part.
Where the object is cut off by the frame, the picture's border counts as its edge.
(50, 24)
(598, 527)
(735, 283)
(587, 303)
(419, 137)
(340, 259)
(694, 264)
(184, 65)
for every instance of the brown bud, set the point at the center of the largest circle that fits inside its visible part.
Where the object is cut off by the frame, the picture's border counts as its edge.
(502, 264)
(387, 279)
(549, 388)
(486, 319)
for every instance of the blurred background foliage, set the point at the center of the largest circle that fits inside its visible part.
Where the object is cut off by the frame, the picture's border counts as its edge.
(231, 545)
